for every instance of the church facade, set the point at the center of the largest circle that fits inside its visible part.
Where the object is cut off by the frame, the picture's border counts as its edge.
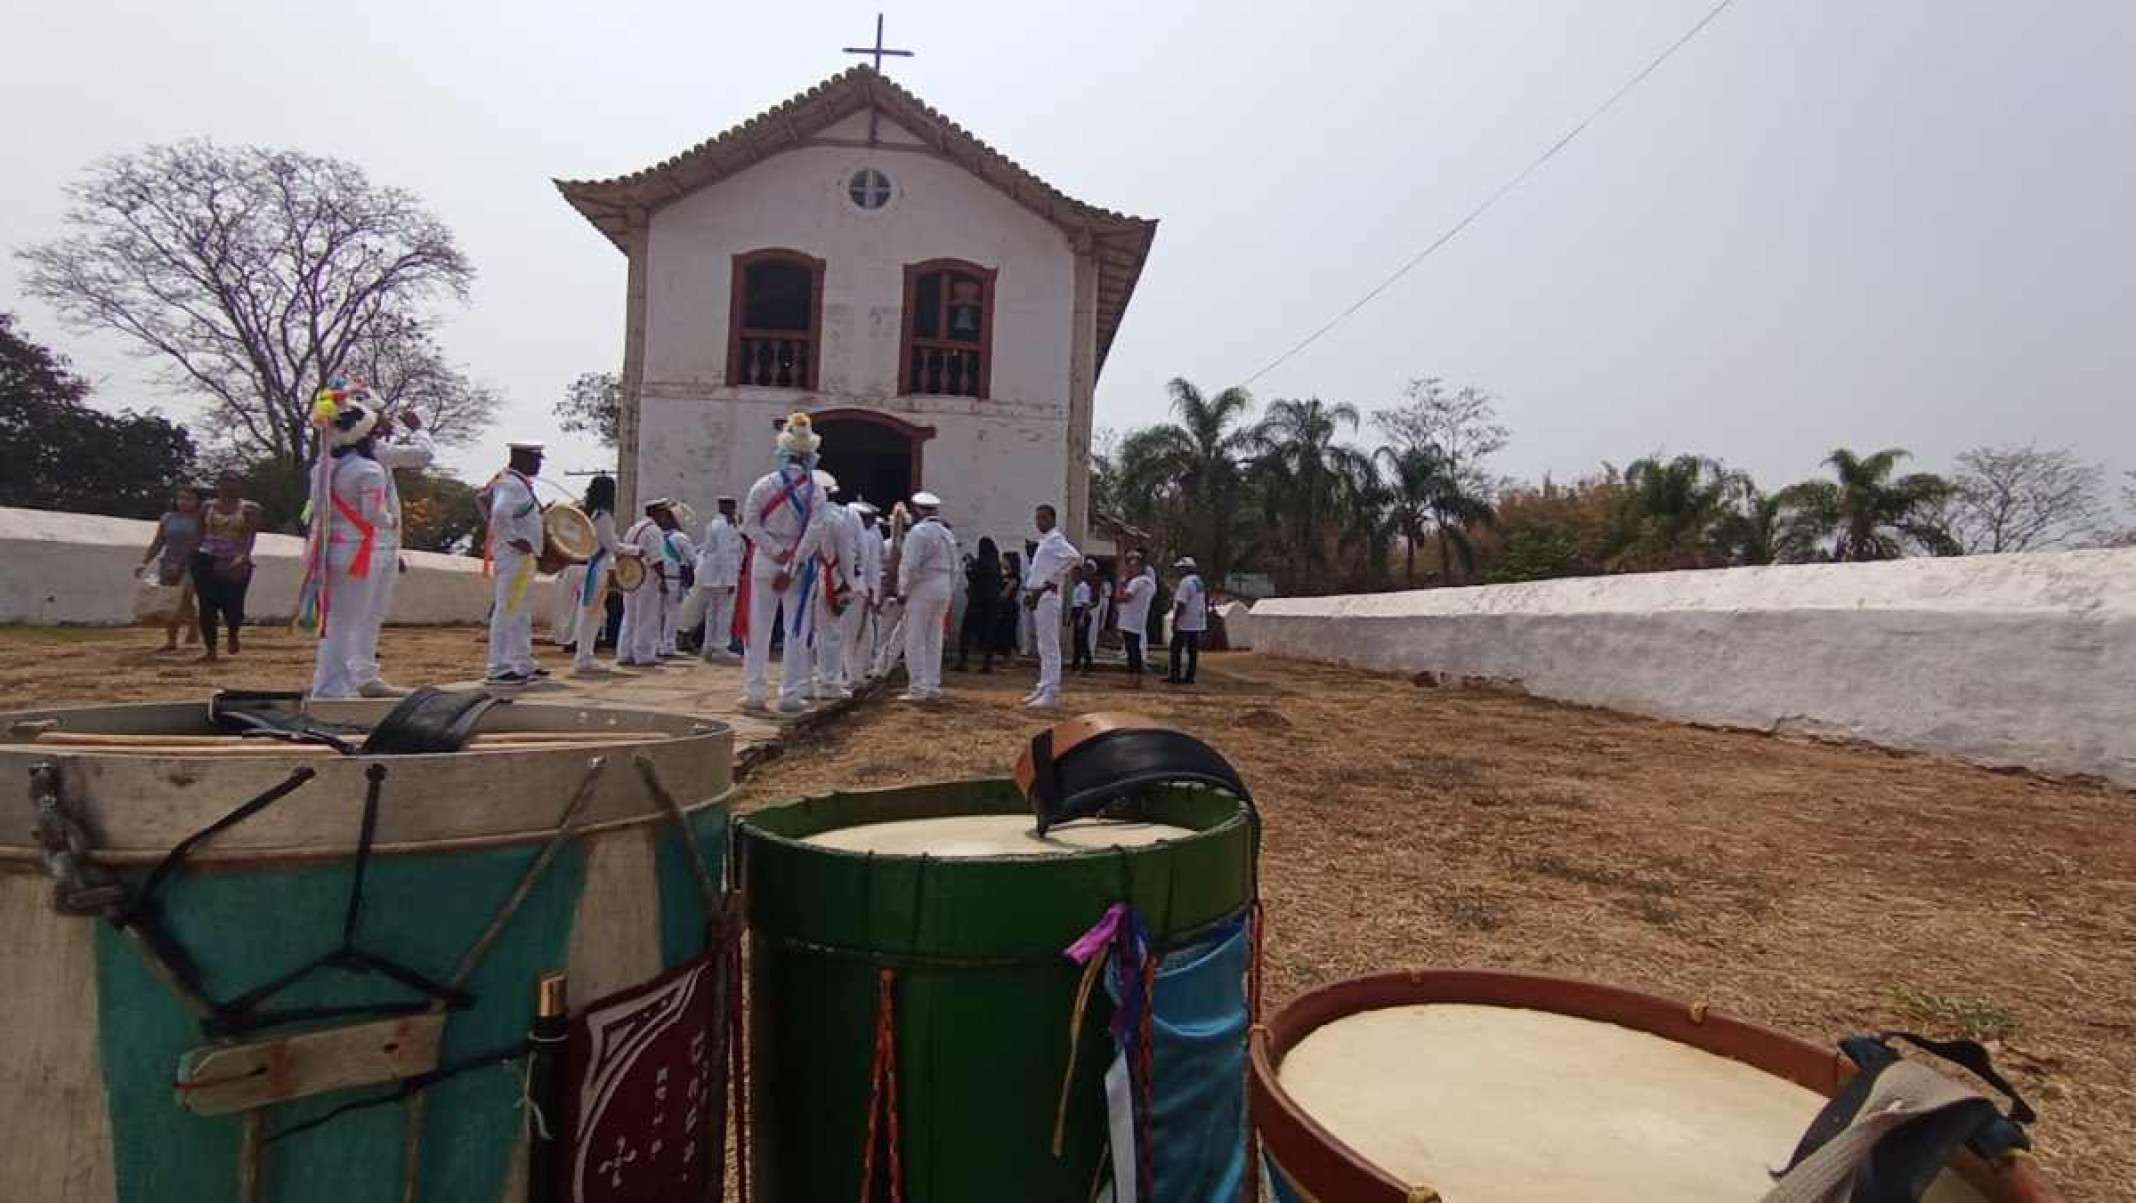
(940, 311)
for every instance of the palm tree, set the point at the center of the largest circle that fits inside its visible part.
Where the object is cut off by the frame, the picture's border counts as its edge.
(1867, 514)
(1673, 507)
(1429, 495)
(1186, 475)
(1302, 470)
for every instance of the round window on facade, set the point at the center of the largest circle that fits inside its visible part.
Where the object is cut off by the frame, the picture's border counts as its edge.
(869, 189)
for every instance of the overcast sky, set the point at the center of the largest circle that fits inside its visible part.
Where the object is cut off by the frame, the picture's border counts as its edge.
(1824, 222)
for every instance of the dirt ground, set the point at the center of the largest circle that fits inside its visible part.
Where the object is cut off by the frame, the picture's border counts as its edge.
(1817, 888)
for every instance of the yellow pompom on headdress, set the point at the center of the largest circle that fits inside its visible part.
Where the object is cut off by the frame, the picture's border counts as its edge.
(798, 436)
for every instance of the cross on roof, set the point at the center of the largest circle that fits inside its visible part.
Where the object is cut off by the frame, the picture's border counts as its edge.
(877, 51)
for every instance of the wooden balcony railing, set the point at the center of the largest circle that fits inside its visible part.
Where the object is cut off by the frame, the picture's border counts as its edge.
(947, 369)
(779, 359)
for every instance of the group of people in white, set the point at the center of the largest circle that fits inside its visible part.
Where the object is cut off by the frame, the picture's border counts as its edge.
(847, 590)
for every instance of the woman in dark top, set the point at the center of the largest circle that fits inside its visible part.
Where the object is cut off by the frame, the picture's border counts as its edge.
(1007, 592)
(222, 567)
(178, 535)
(982, 597)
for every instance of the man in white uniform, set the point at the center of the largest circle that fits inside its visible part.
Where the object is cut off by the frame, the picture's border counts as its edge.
(351, 518)
(719, 566)
(681, 561)
(591, 601)
(515, 542)
(1137, 586)
(782, 518)
(837, 584)
(638, 640)
(1051, 562)
(856, 627)
(410, 448)
(925, 573)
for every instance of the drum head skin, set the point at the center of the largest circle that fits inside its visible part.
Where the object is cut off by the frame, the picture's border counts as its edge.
(954, 836)
(1497, 1104)
(566, 528)
(629, 573)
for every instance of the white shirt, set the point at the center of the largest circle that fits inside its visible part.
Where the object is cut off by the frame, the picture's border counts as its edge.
(1135, 607)
(513, 512)
(644, 535)
(1191, 602)
(604, 532)
(842, 544)
(719, 554)
(361, 484)
(1081, 599)
(871, 563)
(930, 558)
(1053, 557)
(785, 536)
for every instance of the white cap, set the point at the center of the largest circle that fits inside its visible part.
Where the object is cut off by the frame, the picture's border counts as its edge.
(825, 481)
(1184, 562)
(659, 503)
(534, 447)
(863, 506)
(926, 500)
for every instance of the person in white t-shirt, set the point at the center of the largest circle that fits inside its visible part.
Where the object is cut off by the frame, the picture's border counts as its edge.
(1053, 561)
(1137, 586)
(1190, 617)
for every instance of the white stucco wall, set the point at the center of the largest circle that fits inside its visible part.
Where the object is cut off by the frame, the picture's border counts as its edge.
(991, 460)
(2025, 660)
(77, 570)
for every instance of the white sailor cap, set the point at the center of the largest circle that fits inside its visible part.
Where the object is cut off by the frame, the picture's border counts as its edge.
(926, 500)
(660, 503)
(863, 506)
(825, 481)
(1186, 562)
(536, 448)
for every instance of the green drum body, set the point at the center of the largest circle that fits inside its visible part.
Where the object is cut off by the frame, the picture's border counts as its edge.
(981, 1000)
(100, 1088)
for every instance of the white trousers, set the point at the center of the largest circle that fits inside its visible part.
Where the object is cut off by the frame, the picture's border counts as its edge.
(385, 571)
(765, 606)
(563, 625)
(715, 604)
(588, 622)
(670, 617)
(853, 638)
(511, 633)
(352, 616)
(1046, 627)
(828, 630)
(925, 611)
(638, 641)
(889, 624)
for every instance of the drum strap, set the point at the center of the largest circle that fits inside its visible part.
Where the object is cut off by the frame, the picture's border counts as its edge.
(1886, 1136)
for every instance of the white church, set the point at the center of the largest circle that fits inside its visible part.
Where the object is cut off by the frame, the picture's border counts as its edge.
(941, 312)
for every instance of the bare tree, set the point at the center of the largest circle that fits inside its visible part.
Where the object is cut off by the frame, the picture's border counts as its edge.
(1461, 426)
(255, 276)
(2022, 498)
(408, 370)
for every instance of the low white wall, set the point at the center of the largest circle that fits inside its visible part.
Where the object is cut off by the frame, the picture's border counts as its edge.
(2026, 660)
(77, 570)
(1238, 625)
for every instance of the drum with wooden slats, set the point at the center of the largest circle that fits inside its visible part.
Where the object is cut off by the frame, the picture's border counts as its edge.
(628, 573)
(116, 1065)
(1477, 1086)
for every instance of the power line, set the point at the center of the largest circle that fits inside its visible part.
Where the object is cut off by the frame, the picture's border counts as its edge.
(1494, 197)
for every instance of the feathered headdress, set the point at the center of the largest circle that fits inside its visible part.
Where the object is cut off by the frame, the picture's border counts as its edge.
(798, 436)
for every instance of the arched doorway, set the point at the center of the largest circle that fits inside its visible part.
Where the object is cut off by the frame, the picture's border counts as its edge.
(874, 455)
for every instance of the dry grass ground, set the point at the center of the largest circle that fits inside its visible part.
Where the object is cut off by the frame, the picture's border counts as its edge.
(1816, 888)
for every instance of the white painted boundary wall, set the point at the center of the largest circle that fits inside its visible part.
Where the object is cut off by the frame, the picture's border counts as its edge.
(78, 570)
(2025, 660)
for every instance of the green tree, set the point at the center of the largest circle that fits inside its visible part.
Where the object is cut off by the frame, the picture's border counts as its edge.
(58, 453)
(1674, 508)
(1184, 478)
(1430, 497)
(1302, 473)
(1866, 512)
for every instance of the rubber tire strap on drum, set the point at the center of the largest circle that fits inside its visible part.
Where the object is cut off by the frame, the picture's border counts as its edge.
(1078, 767)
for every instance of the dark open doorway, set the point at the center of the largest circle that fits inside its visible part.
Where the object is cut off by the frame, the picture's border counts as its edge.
(873, 455)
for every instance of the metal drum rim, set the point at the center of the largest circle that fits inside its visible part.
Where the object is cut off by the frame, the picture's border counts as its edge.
(1332, 1169)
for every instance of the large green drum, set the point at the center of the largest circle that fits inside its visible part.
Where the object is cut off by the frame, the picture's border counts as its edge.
(111, 1082)
(944, 887)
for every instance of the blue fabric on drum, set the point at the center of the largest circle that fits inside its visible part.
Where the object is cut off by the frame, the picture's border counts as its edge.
(1199, 1049)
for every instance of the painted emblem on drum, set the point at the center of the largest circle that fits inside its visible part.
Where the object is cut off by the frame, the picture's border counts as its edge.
(639, 1089)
